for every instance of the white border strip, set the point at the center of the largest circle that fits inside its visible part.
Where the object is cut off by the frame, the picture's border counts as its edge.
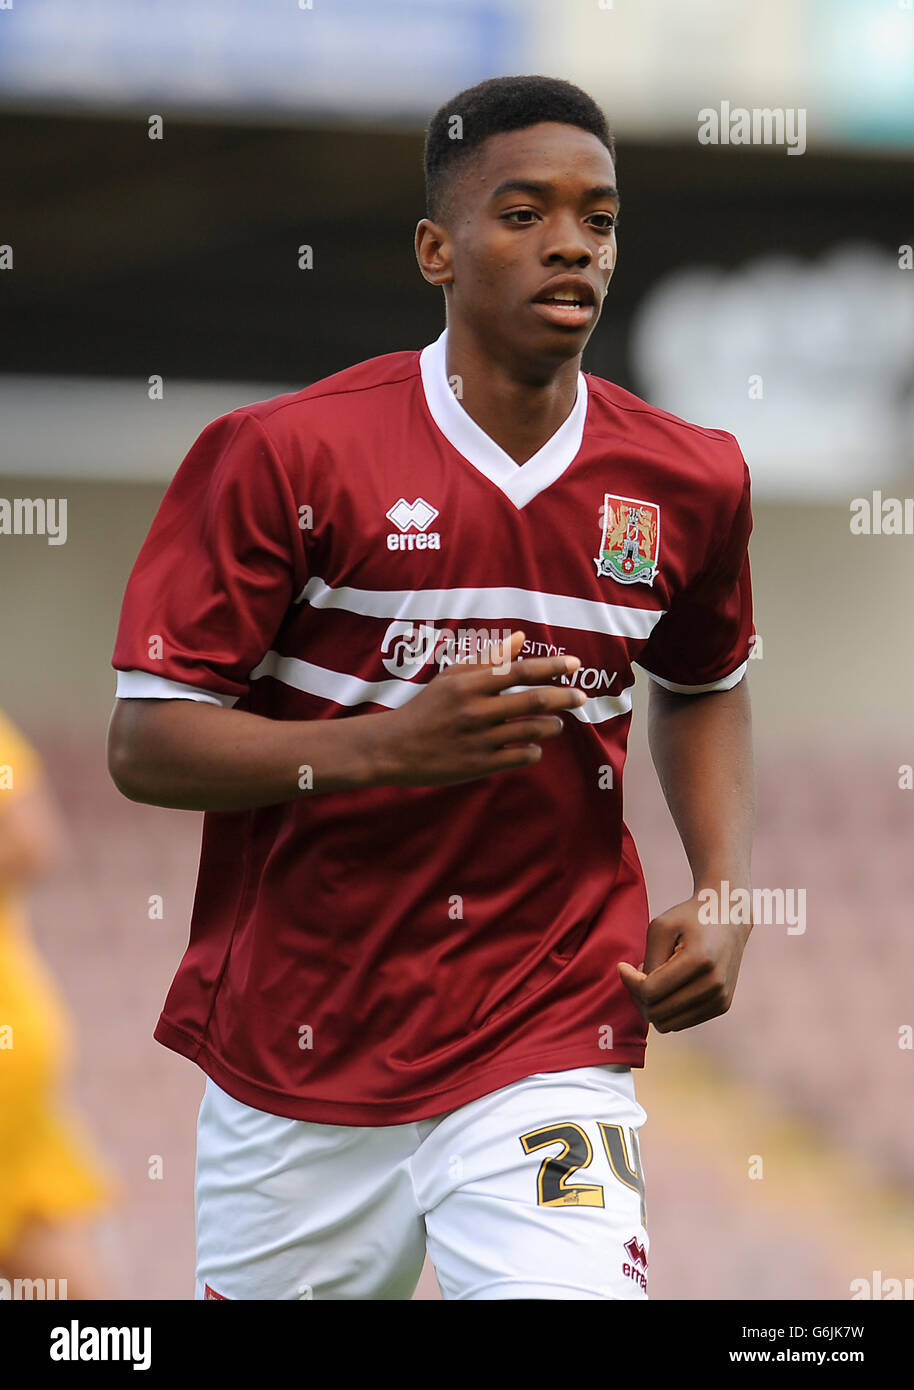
(142, 685)
(725, 682)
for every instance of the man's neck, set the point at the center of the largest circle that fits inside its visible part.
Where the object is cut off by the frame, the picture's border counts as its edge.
(521, 416)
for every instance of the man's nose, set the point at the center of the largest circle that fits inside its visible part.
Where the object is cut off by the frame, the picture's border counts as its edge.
(567, 243)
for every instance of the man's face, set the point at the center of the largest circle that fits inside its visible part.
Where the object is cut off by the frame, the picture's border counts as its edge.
(530, 244)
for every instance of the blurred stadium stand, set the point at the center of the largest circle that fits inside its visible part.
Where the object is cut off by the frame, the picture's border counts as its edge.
(178, 257)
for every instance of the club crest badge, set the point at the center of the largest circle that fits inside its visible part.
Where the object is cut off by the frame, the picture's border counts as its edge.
(630, 540)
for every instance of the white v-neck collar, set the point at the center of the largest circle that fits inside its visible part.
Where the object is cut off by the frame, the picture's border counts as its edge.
(520, 482)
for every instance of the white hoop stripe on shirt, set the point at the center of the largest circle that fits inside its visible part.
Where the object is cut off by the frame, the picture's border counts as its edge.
(499, 605)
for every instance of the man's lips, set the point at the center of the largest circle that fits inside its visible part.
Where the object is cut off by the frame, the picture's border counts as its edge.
(564, 313)
(568, 301)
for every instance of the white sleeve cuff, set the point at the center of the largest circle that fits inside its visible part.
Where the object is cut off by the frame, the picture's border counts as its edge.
(141, 685)
(725, 682)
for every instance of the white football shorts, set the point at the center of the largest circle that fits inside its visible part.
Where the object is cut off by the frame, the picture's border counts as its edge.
(533, 1191)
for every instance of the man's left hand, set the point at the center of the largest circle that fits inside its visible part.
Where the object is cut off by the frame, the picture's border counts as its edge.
(689, 970)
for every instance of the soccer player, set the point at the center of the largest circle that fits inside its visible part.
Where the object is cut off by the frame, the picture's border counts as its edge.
(382, 632)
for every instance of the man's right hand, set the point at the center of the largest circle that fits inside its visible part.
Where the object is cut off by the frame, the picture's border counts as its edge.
(462, 726)
(202, 757)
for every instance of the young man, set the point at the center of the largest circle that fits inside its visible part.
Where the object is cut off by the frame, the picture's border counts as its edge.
(361, 636)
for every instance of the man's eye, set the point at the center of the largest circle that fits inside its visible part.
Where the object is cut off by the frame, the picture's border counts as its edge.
(519, 212)
(607, 221)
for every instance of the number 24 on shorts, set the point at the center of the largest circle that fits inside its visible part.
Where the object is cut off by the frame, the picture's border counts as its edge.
(553, 1188)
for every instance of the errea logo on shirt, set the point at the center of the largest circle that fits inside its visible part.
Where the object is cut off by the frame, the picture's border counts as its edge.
(411, 518)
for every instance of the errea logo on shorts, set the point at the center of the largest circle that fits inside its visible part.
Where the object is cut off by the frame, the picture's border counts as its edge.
(413, 520)
(637, 1255)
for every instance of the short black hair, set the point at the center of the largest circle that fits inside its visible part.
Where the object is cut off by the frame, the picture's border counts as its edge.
(492, 107)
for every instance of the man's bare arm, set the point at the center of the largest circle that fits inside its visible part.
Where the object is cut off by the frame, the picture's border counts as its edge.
(192, 756)
(702, 749)
(201, 757)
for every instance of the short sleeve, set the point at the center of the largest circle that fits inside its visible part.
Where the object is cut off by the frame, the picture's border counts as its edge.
(704, 641)
(223, 561)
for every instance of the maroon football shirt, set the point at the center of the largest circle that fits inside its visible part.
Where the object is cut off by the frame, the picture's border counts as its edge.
(380, 956)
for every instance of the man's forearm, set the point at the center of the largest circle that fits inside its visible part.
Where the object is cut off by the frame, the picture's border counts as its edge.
(702, 749)
(192, 756)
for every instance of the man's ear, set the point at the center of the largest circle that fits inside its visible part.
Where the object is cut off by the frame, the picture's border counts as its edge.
(433, 252)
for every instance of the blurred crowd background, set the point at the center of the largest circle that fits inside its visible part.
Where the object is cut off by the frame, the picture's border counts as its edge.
(161, 165)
